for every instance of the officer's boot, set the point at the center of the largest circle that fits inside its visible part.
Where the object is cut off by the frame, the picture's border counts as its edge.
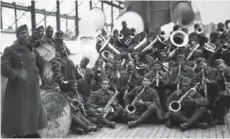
(148, 112)
(94, 126)
(194, 119)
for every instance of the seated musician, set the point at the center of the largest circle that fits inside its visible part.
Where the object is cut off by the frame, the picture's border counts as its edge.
(145, 104)
(47, 38)
(181, 71)
(193, 111)
(80, 70)
(160, 80)
(68, 68)
(80, 124)
(103, 105)
(221, 99)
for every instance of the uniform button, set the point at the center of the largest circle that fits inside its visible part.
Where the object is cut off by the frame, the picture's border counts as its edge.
(22, 62)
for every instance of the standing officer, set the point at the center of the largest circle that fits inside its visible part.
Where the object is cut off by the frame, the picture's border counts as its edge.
(23, 113)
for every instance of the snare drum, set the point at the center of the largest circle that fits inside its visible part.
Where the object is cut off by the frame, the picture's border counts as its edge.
(58, 112)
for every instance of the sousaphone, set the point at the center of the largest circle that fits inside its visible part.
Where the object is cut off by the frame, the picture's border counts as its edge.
(182, 14)
(89, 27)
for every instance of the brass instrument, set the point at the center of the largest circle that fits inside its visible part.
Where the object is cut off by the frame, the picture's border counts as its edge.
(72, 101)
(224, 47)
(126, 91)
(192, 51)
(179, 72)
(175, 106)
(203, 82)
(131, 108)
(108, 107)
(210, 47)
(199, 31)
(179, 38)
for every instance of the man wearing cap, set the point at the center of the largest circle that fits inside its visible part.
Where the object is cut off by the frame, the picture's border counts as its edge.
(41, 31)
(100, 99)
(181, 71)
(147, 104)
(80, 70)
(47, 38)
(193, 110)
(23, 113)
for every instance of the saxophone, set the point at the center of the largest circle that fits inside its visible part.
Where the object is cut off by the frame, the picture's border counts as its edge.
(126, 91)
(108, 107)
(131, 108)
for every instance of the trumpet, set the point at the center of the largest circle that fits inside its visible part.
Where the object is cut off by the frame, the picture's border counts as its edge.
(108, 107)
(175, 106)
(131, 108)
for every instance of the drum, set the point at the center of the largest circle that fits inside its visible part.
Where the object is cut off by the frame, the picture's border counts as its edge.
(58, 112)
(47, 51)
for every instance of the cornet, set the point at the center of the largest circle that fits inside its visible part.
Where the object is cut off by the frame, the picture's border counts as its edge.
(175, 106)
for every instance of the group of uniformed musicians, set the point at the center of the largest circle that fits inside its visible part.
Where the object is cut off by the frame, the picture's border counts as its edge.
(133, 87)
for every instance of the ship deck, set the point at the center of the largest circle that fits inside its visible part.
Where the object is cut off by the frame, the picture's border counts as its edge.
(159, 131)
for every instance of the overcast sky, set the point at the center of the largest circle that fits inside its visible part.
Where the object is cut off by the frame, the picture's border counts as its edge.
(211, 11)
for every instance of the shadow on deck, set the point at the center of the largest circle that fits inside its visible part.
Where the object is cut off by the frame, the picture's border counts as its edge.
(159, 131)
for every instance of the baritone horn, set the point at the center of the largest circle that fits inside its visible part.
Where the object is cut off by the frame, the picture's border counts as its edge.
(175, 106)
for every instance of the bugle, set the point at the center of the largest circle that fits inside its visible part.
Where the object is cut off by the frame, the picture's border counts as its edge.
(175, 106)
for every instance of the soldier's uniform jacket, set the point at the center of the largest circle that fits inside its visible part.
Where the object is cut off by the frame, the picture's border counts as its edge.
(186, 71)
(149, 97)
(22, 112)
(84, 88)
(187, 104)
(47, 40)
(210, 74)
(220, 79)
(115, 77)
(62, 49)
(100, 98)
(164, 80)
(135, 79)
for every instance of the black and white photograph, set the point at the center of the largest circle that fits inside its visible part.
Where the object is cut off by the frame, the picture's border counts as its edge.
(115, 69)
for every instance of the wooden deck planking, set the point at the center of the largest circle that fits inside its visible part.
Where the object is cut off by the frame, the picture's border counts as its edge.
(154, 131)
(159, 131)
(149, 128)
(192, 133)
(198, 133)
(226, 127)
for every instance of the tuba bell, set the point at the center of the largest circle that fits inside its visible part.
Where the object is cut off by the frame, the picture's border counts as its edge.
(179, 38)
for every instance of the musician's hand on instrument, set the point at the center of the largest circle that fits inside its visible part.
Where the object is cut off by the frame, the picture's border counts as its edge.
(100, 109)
(207, 81)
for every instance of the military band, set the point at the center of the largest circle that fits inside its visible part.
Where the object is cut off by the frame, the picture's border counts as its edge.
(171, 82)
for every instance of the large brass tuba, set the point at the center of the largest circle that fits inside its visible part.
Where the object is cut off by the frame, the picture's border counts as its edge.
(181, 14)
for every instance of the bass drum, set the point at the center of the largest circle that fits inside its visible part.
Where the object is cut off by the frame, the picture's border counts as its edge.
(58, 112)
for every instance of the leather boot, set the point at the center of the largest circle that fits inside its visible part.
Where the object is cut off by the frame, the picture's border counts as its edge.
(179, 118)
(148, 112)
(78, 130)
(193, 120)
(109, 123)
